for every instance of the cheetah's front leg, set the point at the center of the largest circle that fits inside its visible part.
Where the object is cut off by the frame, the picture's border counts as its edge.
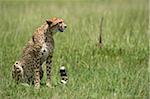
(48, 70)
(37, 73)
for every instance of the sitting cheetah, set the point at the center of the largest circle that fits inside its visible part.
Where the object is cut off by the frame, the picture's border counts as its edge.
(28, 69)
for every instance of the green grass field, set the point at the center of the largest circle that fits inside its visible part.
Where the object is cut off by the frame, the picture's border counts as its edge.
(119, 70)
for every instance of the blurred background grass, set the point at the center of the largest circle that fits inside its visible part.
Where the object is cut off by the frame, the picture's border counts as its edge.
(118, 70)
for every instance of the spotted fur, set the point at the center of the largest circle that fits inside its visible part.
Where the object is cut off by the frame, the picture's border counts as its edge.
(28, 69)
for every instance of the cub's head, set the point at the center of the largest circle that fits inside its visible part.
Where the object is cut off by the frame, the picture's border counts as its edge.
(56, 24)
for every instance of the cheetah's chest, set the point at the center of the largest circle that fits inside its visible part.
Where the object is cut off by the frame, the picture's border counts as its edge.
(45, 51)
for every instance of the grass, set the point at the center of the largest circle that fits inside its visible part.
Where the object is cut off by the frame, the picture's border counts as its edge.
(117, 71)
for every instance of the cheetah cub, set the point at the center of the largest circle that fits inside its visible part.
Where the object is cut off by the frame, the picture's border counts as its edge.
(28, 69)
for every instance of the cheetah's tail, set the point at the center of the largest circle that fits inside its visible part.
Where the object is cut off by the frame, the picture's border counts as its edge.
(63, 75)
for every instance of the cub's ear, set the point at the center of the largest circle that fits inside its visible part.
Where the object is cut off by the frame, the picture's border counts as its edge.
(49, 22)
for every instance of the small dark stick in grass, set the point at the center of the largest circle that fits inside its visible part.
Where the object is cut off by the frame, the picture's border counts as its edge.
(63, 75)
(100, 42)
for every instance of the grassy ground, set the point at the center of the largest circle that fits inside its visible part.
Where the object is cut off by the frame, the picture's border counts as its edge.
(117, 71)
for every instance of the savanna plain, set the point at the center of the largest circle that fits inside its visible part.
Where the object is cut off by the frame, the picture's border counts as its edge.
(118, 70)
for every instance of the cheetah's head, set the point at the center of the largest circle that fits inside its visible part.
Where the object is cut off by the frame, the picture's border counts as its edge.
(56, 24)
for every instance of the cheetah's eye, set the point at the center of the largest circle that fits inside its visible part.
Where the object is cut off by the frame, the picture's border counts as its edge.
(60, 22)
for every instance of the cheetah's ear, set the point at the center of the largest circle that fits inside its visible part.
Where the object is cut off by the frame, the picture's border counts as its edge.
(49, 22)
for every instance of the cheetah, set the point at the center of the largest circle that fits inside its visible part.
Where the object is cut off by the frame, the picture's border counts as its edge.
(39, 49)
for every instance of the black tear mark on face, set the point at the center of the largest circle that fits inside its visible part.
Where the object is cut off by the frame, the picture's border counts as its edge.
(60, 30)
